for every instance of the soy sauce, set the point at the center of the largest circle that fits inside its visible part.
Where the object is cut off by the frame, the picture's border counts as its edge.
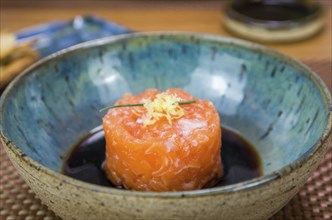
(275, 10)
(85, 161)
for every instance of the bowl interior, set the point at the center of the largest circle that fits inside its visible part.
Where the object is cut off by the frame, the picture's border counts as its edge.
(271, 100)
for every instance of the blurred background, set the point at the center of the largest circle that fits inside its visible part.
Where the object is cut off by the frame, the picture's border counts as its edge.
(140, 15)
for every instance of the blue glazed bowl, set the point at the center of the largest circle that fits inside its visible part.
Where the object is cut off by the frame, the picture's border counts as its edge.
(275, 102)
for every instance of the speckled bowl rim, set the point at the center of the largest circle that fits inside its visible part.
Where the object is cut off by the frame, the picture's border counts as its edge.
(245, 185)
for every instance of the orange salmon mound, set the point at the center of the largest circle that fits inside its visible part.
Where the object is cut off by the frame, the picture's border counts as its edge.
(183, 155)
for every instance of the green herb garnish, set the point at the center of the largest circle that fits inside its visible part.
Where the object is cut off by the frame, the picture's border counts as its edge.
(139, 104)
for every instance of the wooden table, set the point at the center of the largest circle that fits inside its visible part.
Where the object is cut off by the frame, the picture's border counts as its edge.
(196, 16)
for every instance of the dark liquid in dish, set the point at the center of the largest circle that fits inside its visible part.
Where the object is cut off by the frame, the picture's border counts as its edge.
(85, 162)
(274, 10)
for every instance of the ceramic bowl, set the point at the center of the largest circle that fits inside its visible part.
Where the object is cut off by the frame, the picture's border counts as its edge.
(275, 102)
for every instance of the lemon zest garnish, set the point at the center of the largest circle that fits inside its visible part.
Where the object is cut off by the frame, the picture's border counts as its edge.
(164, 105)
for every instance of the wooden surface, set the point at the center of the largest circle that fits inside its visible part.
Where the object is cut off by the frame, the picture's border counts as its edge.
(195, 16)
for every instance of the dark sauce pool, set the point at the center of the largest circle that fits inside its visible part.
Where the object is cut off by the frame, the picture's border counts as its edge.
(85, 161)
(275, 10)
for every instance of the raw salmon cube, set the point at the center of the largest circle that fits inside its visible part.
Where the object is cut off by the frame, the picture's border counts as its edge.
(181, 154)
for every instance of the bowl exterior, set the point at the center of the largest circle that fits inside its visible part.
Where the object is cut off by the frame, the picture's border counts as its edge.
(76, 202)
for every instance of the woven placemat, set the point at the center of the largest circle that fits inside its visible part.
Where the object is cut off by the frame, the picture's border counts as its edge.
(314, 201)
